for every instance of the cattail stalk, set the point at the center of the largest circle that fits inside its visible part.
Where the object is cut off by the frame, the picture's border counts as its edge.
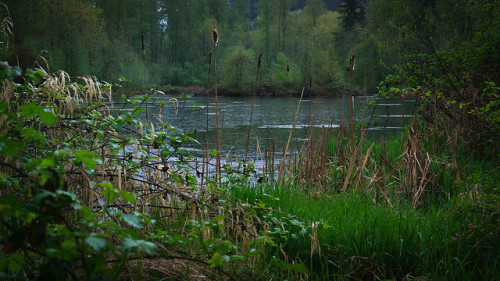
(144, 71)
(205, 153)
(259, 64)
(350, 68)
(215, 37)
(285, 150)
(403, 39)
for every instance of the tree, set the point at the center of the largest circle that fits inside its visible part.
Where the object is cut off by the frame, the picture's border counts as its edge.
(352, 12)
(70, 30)
(267, 19)
(283, 12)
(314, 9)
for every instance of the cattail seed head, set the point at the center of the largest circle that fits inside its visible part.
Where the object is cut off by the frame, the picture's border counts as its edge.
(259, 64)
(287, 67)
(352, 62)
(210, 59)
(403, 36)
(215, 36)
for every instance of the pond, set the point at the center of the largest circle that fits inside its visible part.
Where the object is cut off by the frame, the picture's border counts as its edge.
(272, 121)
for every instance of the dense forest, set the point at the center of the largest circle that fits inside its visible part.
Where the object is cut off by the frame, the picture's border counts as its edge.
(95, 185)
(314, 37)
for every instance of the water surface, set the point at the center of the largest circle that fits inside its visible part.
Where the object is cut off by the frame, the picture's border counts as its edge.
(272, 121)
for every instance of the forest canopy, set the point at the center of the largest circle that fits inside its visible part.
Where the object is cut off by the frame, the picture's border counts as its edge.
(315, 38)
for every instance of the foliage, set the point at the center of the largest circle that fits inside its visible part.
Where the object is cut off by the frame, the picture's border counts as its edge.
(457, 83)
(238, 70)
(354, 237)
(89, 190)
(46, 229)
(352, 12)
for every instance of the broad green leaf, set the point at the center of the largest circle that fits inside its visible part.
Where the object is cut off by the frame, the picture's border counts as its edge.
(109, 192)
(70, 195)
(34, 75)
(96, 243)
(90, 158)
(216, 260)
(42, 195)
(129, 196)
(132, 220)
(9, 147)
(14, 266)
(86, 212)
(29, 110)
(47, 117)
(146, 247)
(13, 263)
(68, 245)
(220, 217)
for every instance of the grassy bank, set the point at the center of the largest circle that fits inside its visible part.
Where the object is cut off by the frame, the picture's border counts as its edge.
(352, 237)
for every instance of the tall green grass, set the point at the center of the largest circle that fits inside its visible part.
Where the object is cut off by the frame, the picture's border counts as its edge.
(360, 239)
(365, 236)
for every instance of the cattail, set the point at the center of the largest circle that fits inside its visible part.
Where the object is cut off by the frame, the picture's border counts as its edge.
(260, 61)
(348, 68)
(403, 36)
(287, 67)
(215, 36)
(143, 48)
(210, 59)
(352, 62)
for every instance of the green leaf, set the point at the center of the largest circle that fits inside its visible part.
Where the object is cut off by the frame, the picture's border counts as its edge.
(128, 243)
(146, 247)
(216, 260)
(141, 245)
(301, 268)
(129, 196)
(42, 195)
(15, 265)
(30, 134)
(47, 117)
(132, 220)
(90, 158)
(86, 212)
(68, 245)
(237, 258)
(9, 147)
(109, 192)
(96, 243)
(220, 217)
(34, 75)
(29, 110)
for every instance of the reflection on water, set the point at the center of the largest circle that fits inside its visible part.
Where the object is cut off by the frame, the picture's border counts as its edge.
(273, 120)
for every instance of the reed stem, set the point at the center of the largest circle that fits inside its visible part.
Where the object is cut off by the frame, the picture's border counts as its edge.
(205, 172)
(215, 36)
(259, 64)
(144, 72)
(290, 136)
